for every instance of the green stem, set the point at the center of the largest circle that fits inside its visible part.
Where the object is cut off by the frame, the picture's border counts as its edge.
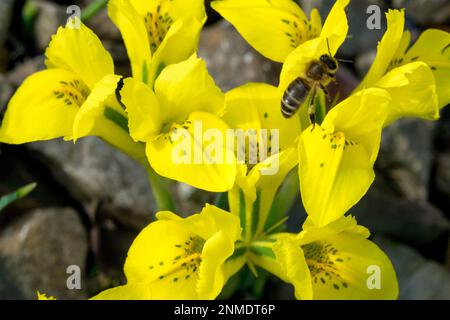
(163, 198)
(92, 9)
(221, 200)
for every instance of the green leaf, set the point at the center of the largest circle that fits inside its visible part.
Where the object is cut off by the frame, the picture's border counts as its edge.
(116, 117)
(288, 192)
(16, 195)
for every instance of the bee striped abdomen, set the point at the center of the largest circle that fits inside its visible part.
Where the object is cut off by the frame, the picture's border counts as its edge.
(293, 97)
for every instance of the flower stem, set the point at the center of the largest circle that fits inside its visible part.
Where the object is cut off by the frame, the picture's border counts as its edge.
(163, 198)
(92, 9)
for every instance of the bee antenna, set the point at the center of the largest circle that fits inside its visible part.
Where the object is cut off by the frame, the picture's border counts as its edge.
(328, 46)
(344, 60)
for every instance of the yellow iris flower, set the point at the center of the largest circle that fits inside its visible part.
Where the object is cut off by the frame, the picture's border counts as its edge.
(395, 66)
(269, 155)
(334, 262)
(276, 28)
(179, 122)
(157, 33)
(176, 258)
(73, 97)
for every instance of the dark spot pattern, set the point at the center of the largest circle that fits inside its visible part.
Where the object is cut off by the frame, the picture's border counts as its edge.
(323, 260)
(183, 265)
(157, 24)
(72, 93)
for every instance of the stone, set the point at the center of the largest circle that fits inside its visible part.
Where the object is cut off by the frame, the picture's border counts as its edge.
(36, 250)
(364, 61)
(103, 26)
(103, 179)
(419, 224)
(6, 10)
(6, 91)
(49, 17)
(425, 12)
(231, 60)
(406, 156)
(442, 180)
(418, 278)
(25, 69)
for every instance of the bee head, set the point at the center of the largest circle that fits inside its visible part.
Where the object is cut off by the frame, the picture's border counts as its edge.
(329, 62)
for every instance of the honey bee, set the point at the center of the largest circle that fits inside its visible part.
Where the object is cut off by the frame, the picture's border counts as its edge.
(318, 74)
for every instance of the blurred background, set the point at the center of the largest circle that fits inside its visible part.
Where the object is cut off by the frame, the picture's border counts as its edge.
(91, 200)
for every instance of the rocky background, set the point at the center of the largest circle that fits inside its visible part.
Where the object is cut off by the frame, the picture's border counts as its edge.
(91, 200)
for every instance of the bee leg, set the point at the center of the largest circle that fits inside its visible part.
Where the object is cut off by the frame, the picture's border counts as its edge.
(312, 118)
(312, 108)
(327, 94)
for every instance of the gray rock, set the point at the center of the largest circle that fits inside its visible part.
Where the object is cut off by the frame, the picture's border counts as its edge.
(36, 250)
(442, 179)
(231, 61)
(425, 12)
(415, 223)
(364, 61)
(406, 156)
(6, 9)
(103, 26)
(49, 17)
(25, 69)
(418, 277)
(6, 91)
(102, 178)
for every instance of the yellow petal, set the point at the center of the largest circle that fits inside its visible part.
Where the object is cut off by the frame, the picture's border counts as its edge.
(176, 9)
(195, 153)
(134, 34)
(235, 262)
(144, 115)
(336, 159)
(44, 107)
(215, 252)
(433, 48)
(180, 42)
(316, 20)
(335, 27)
(258, 106)
(348, 266)
(386, 49)
(81, 52)
(133, 291)
(291, 258)
(413, 92)
(43, 296)
(273, 28)
(311, 232)
(210, 221)
(185, 87)
(92, 110)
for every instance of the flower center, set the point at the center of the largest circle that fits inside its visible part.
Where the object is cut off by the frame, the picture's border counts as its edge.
(71, 92)
(255, 146)
(323, 262)
(157, 23)
(183, 266)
